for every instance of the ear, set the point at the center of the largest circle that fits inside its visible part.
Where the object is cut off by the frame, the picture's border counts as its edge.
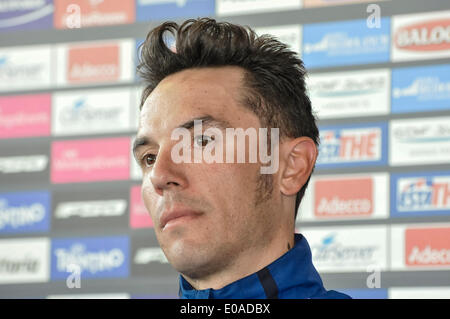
(299, 156)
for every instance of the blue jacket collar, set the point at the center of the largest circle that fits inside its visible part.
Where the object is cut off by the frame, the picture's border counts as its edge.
(290, 276)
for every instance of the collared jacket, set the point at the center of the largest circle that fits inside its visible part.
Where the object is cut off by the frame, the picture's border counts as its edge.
(292, 276)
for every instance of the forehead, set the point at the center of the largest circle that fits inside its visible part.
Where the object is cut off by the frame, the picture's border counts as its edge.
(194, 93)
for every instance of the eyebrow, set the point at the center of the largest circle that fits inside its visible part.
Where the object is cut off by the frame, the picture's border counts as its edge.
(207, 120)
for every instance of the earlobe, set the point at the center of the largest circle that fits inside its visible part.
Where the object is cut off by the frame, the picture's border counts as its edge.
(299, 156)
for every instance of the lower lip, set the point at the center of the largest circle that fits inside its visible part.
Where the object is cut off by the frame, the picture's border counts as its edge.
(179, 220)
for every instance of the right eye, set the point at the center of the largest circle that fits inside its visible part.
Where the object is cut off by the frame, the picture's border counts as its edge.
(148, 160)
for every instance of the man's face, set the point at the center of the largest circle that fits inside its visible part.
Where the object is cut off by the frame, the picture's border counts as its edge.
(222, 217)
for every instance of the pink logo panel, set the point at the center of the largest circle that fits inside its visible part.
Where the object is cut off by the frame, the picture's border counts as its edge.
(90, 160)
(139, 216)
(25, 116)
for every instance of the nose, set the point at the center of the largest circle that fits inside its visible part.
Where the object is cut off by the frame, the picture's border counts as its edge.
(166, 174)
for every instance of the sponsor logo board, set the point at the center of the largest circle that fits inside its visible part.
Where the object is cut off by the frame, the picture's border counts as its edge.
(24, 212)
(421, 36)
(91, 296)
(345, 43)
(421, 89)
(90, 160)
(371, 293)
(420, 194)
(233, 7)
(420, 247)
(163, 9)
(139, 216)
(352, 145)
(322, 3)
(25, 116)
(334, 249)
(419, 293)
(25, 15)
(24, 163)
(419, 141)
(23, 68)
(91, 112)
(99, 62)
(99, 257)
(350, 94)
(88, 209)
(24, 260)
(353, 196)
(147, 257)
(90, 13)
(287, 34)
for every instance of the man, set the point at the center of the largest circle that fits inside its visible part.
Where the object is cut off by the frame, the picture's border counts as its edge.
(226, 227)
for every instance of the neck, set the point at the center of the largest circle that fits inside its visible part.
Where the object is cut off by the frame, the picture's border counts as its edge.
(248, 262)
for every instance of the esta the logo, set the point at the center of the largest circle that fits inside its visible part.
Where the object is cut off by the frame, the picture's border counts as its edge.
(423, 193)
(349, 146)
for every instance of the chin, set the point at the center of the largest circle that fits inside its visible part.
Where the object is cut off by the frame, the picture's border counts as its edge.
(190, 260)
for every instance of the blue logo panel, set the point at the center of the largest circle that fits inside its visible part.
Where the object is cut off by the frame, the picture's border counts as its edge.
(375, 293)
(168, 9)
(24, 212)
(420, 194)
(421, 89)
(99, 257)
(345, 43)
(26, 15)
(352, 145)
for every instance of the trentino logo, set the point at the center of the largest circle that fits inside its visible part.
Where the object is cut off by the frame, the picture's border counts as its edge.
(24, 212)
(101, 257)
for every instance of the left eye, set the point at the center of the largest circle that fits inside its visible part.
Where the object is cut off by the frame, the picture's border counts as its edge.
(203, 140)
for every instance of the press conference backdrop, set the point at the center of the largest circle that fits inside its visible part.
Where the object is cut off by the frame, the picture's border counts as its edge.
(376, 214)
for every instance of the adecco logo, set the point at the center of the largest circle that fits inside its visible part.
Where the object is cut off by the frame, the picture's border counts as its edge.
(352, 196)
(427, 247)
(345, 197)
(93, 64)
